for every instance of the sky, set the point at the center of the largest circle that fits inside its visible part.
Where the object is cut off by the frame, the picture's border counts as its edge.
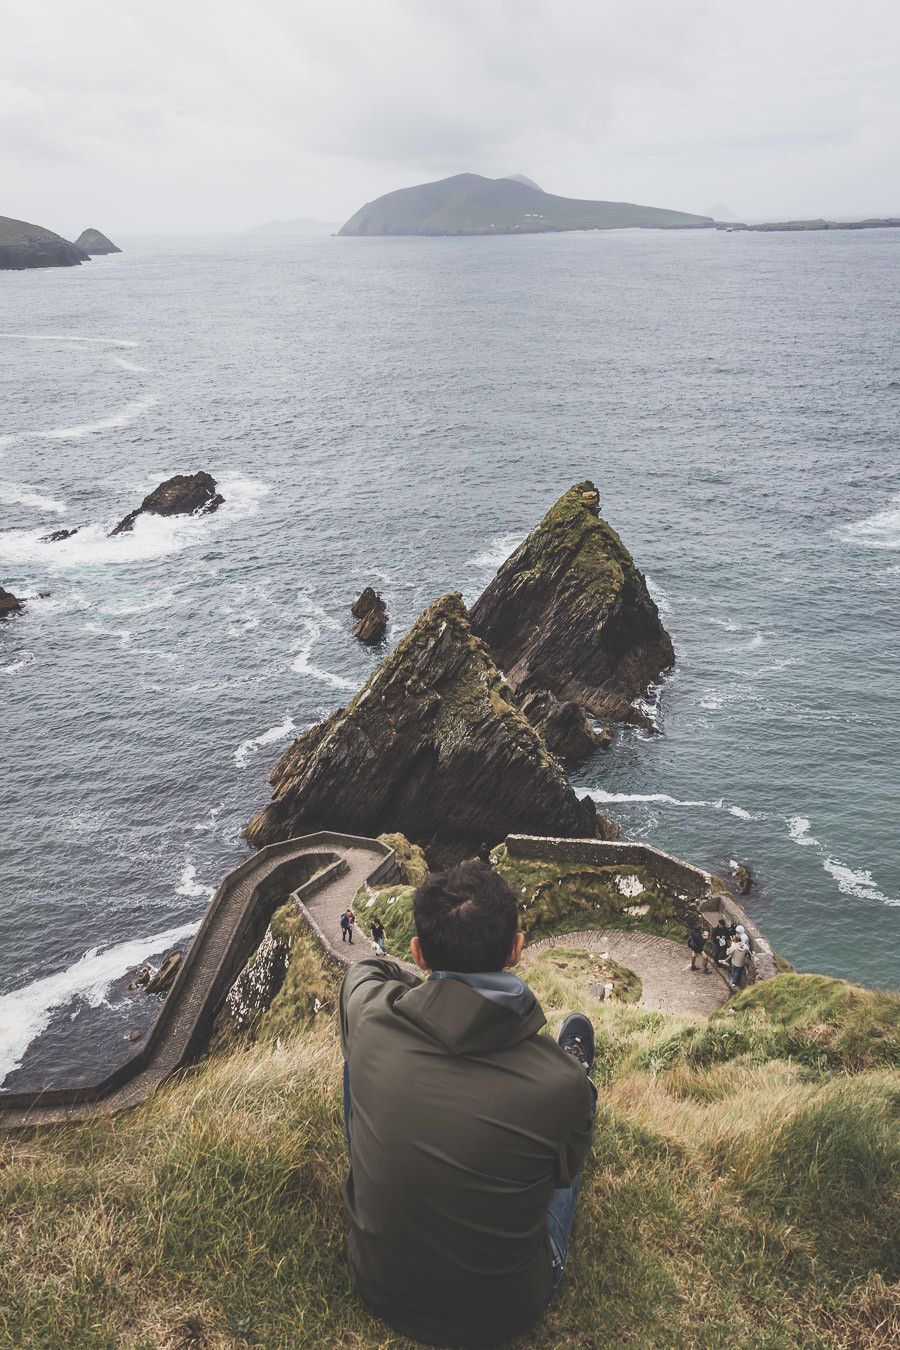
(147, 116)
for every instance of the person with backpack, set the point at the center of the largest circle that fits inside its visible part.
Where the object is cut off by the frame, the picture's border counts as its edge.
(697, 943)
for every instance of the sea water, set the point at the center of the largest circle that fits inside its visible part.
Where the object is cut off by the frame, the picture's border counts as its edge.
(401, 412)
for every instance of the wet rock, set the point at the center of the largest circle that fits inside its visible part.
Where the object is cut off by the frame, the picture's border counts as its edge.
(570, 612)
(57, 535)
(564, 726)
(192, 494)
(743, 879)
(371, 611)
(433, 746)
(162, 981)
(140, 979)
(9, 603)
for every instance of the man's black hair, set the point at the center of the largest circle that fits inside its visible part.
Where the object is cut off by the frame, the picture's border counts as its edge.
(466, 919)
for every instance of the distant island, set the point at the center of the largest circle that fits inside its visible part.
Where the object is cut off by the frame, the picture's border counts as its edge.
(467, 203)
(95, 243)
(877, 223)
(302, 225)
(25, 245)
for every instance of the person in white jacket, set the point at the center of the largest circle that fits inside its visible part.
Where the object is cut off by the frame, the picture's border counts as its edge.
(738, 955)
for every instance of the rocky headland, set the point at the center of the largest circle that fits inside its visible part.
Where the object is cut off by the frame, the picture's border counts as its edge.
(182, 495)
(433, 746)
(569, 612)
(24, 245)
(95, 244)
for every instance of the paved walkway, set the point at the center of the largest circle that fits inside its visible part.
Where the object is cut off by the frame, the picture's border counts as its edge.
(663, 967)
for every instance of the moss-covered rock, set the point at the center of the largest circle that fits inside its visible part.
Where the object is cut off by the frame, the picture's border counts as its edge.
(432, 745)
(570, 612)
(410, 858)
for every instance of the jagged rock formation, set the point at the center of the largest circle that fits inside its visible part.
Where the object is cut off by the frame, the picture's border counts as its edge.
(9, 603)
(570, 612)
(57, 535)
(563, 726)
(95, 243)
(371, 611)
(432, 746)
(25, 245)
(184, 495)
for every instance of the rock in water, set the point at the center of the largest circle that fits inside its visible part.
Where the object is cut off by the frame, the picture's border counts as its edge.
(563, 726)
(433, 746)
(95, 243)
(9, 603)
(25, 245)
(187, 494)
(570, 612)
(371, 611)
(58, 535)
(743, 878)
(162, 981)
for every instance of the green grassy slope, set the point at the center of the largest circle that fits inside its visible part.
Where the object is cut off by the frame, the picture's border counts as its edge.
(736, 1196)
(470, 204)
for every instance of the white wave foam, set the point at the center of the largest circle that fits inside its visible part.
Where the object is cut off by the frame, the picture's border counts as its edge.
(497, 551)
(860, 883)
(71, 337)
(755, 643)
(14, 494)
(130, 413)
(24, 1013)
(602, 796)
(658, 595)
(23, 660)
(189, 886)
(728, 624)
(248, 748)
(123, 634)
(799, 830)
(303, 666)
(129, 365)
(712, 701)
(879, 531)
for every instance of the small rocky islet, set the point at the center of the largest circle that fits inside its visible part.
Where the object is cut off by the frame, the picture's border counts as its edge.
(439, 745)
(191, 494)
(24, 245)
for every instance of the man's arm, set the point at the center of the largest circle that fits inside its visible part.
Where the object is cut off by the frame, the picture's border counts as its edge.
(578, 1144)
(363, 982)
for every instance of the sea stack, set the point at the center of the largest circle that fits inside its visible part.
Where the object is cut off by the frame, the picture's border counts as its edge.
(94, 243)
(433, 746)
(371, 611)
(191, 494)
(25, 245)
(570, 612)
(9, 603)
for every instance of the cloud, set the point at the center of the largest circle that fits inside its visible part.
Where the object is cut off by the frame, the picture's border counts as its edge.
(213, 115)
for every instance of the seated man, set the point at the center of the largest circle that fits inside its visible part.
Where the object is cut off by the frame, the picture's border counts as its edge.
(467, 1129)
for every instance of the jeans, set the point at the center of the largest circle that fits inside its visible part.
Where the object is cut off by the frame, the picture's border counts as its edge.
(560, 1211)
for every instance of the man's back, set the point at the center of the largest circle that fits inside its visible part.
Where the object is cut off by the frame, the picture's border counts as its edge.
(463, 1123)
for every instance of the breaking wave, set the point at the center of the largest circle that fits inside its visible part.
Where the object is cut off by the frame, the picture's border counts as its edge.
(189, 886)
(879, 531)
(248, 748)
(602, 796)
(14, 494)
(497, 551)
(25, 1013)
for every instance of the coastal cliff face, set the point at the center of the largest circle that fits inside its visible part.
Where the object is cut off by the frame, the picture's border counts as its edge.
(24, 245)
(433, 746)
(570, 612)
(95, 243)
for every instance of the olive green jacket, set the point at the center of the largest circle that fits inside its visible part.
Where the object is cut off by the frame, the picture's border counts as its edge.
(463, 1122)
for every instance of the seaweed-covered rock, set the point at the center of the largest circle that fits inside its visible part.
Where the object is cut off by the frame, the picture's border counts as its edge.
(186, 494)
(563, 726)
(433, 746)
(371, 611)
(9, 603)
(570, 612)
(94, 243)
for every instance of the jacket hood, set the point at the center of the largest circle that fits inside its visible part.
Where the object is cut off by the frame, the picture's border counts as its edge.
(473, 1014)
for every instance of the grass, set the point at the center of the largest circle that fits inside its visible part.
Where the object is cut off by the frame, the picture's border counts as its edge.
(737, 1196)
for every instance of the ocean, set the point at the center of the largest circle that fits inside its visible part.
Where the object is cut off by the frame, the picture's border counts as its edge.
(401, 412)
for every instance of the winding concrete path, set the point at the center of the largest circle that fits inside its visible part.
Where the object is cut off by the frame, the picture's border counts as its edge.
(663, 967)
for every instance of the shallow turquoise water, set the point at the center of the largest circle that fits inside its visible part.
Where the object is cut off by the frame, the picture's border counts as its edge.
(402, 411)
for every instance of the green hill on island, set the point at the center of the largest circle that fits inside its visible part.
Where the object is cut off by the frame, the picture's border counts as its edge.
(467, 203)
(25, 245)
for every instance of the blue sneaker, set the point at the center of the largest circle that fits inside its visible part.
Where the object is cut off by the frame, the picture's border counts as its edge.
(576, 1036)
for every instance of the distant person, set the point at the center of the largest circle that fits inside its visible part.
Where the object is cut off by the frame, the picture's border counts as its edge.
(484, 855)
(697, 943)
(741, 936)
(348, 919)
(467, 1129)
(738, 955)
(378, 935)
(720, 940)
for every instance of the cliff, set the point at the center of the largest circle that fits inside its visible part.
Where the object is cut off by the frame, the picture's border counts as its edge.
(24, 245)
(95, 243)
(570, 612)
(432, 746)
(467, 203)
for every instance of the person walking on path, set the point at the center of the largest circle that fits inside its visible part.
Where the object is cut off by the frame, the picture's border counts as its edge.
(697, 943)
(467, 1130)
(378, 935)
(738, 955)
(348, 919)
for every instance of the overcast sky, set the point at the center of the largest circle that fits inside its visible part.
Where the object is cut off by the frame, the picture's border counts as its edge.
(146, 115)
